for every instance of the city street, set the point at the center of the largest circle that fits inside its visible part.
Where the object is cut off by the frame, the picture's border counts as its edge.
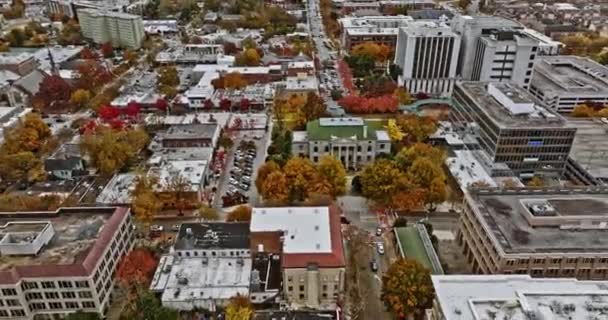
(324, 53)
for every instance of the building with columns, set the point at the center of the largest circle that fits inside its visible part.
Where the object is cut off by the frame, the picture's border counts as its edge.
(353, 140)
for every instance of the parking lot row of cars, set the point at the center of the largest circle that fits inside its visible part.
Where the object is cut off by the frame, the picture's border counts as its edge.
(240, 175)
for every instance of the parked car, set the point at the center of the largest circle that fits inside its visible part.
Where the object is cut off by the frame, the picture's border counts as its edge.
(380, 248)
(156, 231)
(378, 231)
(175, 227)
(373, 265)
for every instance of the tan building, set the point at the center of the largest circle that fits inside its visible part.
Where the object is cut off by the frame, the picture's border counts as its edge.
(54, 263)
(121, 29)
(21, 64)
(553, 232)
(309, 240)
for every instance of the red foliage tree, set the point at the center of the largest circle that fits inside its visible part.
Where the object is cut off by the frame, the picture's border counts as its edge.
(225, 104)
(107, 50)
(161, 104)
(137, 267)
(88, 54)
(117, 124)
(107, 113)
(92, 75)
(230, 48)
(208, 104)
(421, 96)
(53, 95)
(357, 104)
(132, 109)
(245, 104)
(88, 127)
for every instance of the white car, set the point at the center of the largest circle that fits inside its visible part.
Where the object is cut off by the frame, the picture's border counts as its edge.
(380, 248)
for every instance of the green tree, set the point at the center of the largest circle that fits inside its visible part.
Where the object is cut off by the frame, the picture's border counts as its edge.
(146, 306)
(407, 289)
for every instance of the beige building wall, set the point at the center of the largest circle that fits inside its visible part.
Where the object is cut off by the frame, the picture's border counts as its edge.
(39, 297)
(484, 257)
(313, 287)
(121, 29)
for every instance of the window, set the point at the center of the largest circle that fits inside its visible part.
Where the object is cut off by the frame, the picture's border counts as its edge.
(71, 305)
(29, 285)
(290, 288)
(289, 278)
(3, 313)
(301, 288)
(51, 295)
(301, 296)
(369, 148)
(18, 313)
(33, 296)
(85, 294)
(315, 149)
(9, 292)
(55, 305)
(68, 295)
(65, 284)
(324, 287)
(38, 306)
(88, 304)
(13, 302)
(48, 284)
(82, 284)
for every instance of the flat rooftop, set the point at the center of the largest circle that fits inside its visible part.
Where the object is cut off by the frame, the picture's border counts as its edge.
(531, 115)
(564, 220)
(293, 315)
(518, 297)
(590, 146)
(187, 280)
(191, 131)
(193, 236)
(570, 75)
(80, 236)
(75, 234)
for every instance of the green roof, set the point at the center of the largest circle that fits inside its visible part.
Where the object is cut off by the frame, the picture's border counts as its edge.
(316, 131)
(412, 245)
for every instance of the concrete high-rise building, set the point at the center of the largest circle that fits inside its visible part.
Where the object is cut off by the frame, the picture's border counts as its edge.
(515, 297)
(512, 129)
(563, 82)
(427, 53)
(120, 29)
(545, 232)
(59, 262)
(505, 55)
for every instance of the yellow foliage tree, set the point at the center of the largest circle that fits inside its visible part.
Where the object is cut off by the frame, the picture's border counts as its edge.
(332, 171)
(80, 97)
(379, 52)
(145, 202)
(110, 150)
(241, 213)
(394, 131)
(299, 172)
(582, 111)
(274, 188)
(402, 95)
(239, 308)
(407, 289)
(536, 182)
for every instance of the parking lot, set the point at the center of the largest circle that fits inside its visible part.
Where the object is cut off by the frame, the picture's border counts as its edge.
(242, 164)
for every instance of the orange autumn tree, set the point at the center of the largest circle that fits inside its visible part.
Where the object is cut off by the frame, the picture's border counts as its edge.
(136, 268)
(240, 214)
(407, 289)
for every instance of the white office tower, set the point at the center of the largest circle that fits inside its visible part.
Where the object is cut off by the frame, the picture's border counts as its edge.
(495, 49)
(427, 53)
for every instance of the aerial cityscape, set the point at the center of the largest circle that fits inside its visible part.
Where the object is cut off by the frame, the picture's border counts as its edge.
(303, 160)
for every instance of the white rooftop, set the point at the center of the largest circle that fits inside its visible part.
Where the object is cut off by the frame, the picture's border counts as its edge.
(118, 190)
(189, 283)
(299, 136)
(466, 169)
(345, 122)
(306, 229)
(519, 297)
(191, 171)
